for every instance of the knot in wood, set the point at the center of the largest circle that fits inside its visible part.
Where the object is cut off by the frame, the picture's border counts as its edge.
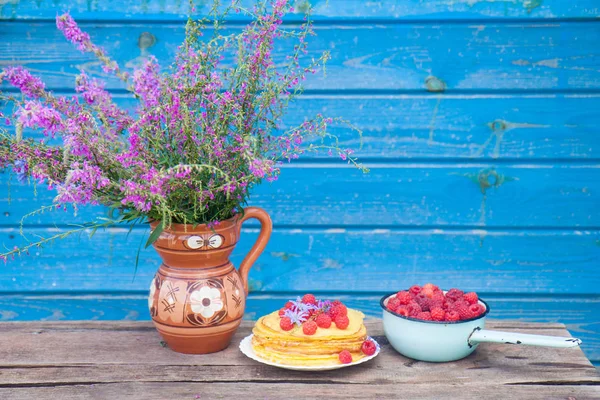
(498, 125)
(146, 40)
(435, 84)
(488, 178)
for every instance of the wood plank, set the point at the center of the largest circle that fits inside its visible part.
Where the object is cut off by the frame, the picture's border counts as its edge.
(31, 375)
(323, 10)
(578, 313)
(357, 260)
(274, 390)
(408, 194)
(387, 57)
(115, 343)
(548, 127)
(116, 359)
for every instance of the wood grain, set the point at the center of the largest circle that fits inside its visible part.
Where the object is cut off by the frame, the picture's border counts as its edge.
(357, 260)
(391, 195)
(548, 127)
(323, 9)
(578, 313)
(276, 390)
(38, 363)
(464, 56)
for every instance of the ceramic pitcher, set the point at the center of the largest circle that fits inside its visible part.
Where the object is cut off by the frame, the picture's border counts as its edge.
(197, 297)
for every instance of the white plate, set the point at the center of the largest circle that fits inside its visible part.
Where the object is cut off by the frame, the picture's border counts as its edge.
(246, 348)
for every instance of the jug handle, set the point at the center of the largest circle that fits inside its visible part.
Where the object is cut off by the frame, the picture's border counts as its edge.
(266, 227)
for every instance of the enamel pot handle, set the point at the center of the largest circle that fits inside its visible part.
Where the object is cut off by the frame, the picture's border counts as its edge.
(486, 336)
(266, 227)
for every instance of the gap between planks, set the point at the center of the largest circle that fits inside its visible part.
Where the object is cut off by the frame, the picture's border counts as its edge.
(156, 391)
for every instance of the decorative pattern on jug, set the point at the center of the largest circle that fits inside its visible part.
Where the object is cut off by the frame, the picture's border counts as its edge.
(196, 302)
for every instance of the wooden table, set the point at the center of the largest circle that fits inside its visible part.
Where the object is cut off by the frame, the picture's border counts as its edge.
(125, 360)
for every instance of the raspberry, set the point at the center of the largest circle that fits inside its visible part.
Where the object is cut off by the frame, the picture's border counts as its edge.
(427, 293)
(368, 347)
(309, 299)
(438, 296)
(430, 286)
(471, 297)
(333, 312)
(404, 297)
(342, 321)
(425, 316)
(452, 316)
(309, 327)
(286, 324)
(454, 294)
(415, 289)
(402, 310)
(435, 303)
(476, 309)
(345, 357)
(323, 321)
(288, 305)
(438, 314)
(460, 301)
(423, 301)
(463, 310)
(338, 310)
(413, 309)
(282, 312)
(342, 310)
(393, 303)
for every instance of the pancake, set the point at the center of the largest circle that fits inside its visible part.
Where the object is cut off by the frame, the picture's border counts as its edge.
(294, 347)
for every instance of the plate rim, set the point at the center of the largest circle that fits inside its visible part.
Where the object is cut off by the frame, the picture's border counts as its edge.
(253, 356)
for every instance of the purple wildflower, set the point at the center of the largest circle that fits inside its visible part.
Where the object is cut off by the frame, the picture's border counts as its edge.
(92, 90)
(34, 115)
(296, 315)
(67, 25)
(20, 168)
(22, 79)
(93, 93)
(147, 82)
(81, 183)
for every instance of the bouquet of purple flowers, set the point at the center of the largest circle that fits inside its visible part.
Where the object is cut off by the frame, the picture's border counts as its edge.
(204, 134)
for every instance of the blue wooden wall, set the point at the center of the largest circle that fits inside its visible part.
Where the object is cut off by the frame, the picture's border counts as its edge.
(481, 127)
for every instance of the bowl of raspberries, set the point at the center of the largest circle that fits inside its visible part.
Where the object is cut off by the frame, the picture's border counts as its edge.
(428, 303)
(430, 324)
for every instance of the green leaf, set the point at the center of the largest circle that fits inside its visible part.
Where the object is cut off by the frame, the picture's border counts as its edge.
(137, 258)
(155, 234)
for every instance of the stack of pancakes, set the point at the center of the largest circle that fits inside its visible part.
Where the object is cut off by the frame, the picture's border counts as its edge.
(295, 348)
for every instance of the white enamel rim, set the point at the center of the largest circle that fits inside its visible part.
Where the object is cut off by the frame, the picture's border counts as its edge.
(246, 348)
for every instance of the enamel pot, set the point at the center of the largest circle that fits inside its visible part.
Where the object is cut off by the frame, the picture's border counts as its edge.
(435, 341)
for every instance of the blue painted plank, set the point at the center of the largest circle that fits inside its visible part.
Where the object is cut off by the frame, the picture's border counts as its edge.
(406, 194)
(383, 56)
(549, 126)
(579, 314)
(357, 260)
(323, 9)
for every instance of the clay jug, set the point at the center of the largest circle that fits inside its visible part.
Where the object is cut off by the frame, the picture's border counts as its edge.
(197, 297)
